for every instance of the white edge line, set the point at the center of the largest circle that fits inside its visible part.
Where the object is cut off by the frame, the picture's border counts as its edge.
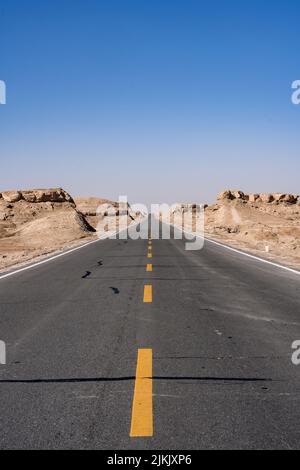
(248, 255)
(103, 237)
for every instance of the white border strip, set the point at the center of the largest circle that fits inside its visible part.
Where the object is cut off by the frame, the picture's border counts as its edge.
(248, 255)
(103, 237)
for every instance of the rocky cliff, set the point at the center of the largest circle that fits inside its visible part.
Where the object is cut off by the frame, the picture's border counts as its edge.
(97, 210)
(266, 224)
(37, 195)
(38, 221)
(230, 195)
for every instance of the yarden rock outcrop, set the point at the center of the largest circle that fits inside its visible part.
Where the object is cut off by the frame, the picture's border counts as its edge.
(38, 221)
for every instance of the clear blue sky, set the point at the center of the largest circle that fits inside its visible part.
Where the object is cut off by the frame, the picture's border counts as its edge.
(162, 100)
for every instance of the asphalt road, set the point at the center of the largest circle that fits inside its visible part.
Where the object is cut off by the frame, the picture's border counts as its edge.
(220, 328)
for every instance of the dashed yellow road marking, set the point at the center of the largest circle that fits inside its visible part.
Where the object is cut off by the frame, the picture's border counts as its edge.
(149, 267)
(148, 293)
(142, 407)
(149, 255)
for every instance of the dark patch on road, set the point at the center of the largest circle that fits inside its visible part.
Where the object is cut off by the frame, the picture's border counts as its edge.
(71, 380)
(87, 274)
(115, 290)
(116, 379)
(217, 379)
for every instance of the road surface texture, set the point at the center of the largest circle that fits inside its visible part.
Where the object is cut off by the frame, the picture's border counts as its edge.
(218, 329)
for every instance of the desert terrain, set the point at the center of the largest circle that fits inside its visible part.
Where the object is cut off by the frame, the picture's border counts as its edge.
(267, 225)
(37, 222)
(103, 213)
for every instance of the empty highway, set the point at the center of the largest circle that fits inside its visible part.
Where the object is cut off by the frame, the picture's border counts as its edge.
(143, 345)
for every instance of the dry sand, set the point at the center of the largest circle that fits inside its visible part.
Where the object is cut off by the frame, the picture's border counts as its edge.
(267, 229)
(271, 232)
(31, 228)
(39, 222)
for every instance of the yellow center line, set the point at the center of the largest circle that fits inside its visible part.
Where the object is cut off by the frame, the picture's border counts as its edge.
(148, 293)
(149, 255)
(142, 407)
(149, 267)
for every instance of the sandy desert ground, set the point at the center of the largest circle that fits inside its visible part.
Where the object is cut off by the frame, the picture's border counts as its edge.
(35, 223)
(38, 222)
(267, 225)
